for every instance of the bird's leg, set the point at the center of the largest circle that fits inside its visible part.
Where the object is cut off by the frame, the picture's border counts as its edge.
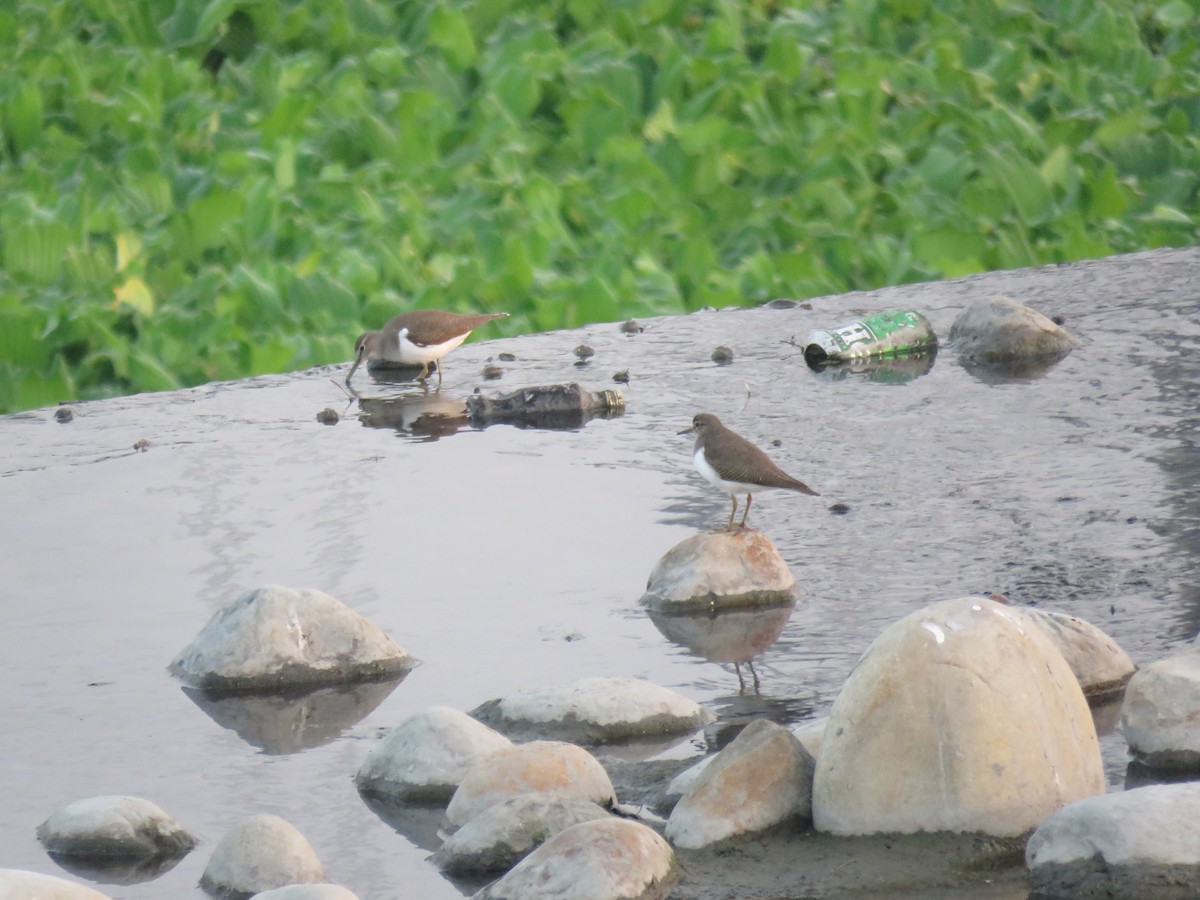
(439, 365)
(732, 512)
(747, 510)
(737, 667)
(424, 372)
(750, 666)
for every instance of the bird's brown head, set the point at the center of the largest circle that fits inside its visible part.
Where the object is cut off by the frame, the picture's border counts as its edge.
(701, 422)
(367, 346)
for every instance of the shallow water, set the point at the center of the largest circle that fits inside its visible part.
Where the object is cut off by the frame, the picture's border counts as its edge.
(505, 558)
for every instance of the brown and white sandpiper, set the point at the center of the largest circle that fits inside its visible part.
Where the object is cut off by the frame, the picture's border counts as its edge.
(418, 338)
(730, 462)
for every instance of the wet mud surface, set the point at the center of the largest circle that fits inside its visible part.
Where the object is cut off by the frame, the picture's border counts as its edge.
(510, 557)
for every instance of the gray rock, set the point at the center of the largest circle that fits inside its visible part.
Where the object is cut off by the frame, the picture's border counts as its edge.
(607, 859)
(115, 828)
(550, 767)
(425, 757)
(1132, 844)
(18, 884)
(307, 892)
(259, 853)
(505, 832)
(1100, 666)
(682, 783)
(276, 637)
(1160, 712)
(961, 717)
(1000, 330)
(720, 570)
(810, 734)
(595, 710)
(763, 778)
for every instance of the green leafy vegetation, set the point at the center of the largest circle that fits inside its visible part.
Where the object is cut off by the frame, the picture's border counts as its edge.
(196, 190)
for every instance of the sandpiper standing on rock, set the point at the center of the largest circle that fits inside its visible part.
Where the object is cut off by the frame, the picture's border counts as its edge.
(736, 466)
(418, 338)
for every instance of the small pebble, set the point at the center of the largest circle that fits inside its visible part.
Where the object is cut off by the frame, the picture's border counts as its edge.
(1057, 320)
(631, 326)
(64, 414)
(584, 352)
(328, 416)
(491, 373)
(722, 356)
(141, 445)
(839, 509)
(781, 304)
(507, 357)
(621, 377)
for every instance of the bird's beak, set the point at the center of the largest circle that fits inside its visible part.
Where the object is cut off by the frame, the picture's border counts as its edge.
(358, 358)
(688, 430)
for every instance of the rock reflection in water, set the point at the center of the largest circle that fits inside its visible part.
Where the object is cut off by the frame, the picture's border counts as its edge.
(418, 822)
(109, 870)
(287, 722)
(736, 636)
(1026, 369)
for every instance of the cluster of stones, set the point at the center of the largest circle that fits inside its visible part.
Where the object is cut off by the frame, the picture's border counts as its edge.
(967, 716)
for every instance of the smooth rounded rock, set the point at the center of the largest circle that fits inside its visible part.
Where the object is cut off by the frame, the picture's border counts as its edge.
(607, 859)
(259, 853)
(720, 570)
(1134, 844)
(307, 892)
(116, 828)
(277, 637)
(18, 884)
(549, 767)
(424, 758)
(763, 778)
(961, 717)
(1161, 710)
(505, 832)
(810, 733)
(595, 710)
(1001, 330)
(1100, 666)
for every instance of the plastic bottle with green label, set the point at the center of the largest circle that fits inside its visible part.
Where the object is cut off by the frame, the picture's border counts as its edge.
(882, 335)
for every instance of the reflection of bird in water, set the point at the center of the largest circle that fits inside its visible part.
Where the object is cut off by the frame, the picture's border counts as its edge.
(418, 338)
(736, 636)
(730, 462)
(737, 667)
(422, 415)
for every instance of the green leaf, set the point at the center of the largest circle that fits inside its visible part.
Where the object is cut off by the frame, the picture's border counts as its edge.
(450, 32)
(23, 116)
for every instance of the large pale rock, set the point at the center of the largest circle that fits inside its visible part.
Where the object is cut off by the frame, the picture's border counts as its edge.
(1001, 330)
(1100, 666)
(959, 717)
(277, 637)
(1161, 713)
(595, 710)
(425, 757)
(259, 853)
(505, 832)
(18, 884)
(550, 767)
(720, 570)
(115, 828)
(1134, 844)
(607, 859)
(307, 892)
(763, 778)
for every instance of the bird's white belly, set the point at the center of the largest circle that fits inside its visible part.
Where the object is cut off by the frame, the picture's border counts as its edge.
(711, 476)
(405, 351)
